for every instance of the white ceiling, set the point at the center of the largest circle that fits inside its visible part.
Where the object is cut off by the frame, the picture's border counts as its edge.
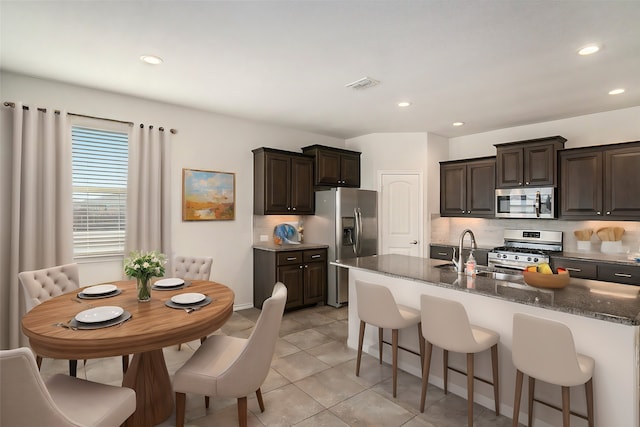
(492, 64)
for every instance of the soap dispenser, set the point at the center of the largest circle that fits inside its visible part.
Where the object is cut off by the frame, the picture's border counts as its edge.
(470, 268)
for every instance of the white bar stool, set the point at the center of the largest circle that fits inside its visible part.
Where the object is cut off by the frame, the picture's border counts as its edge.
(377, 307)
(544, 349)
(445, 324)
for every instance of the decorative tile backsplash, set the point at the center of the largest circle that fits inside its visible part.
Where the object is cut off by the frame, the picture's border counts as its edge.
(489, 232)
(263, 225)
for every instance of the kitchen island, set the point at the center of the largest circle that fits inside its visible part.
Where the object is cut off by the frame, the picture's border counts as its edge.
(603, 317)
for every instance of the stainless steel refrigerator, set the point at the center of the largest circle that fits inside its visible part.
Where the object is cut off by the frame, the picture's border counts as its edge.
(346, 219)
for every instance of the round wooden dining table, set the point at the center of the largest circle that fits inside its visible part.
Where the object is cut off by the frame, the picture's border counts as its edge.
(152, 326)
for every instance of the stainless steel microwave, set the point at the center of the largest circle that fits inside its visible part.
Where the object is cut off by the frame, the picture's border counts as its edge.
(537, 202)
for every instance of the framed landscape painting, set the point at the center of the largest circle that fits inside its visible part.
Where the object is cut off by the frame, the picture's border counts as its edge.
(208, 195)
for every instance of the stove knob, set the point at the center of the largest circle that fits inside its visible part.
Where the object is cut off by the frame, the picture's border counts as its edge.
(535, 260)
(529, 259)
(516, 257)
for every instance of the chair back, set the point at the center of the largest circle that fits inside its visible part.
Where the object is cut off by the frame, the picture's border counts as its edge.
(192, 267)
(41, 285)
(377, 306)
(24, 398)
(247, 373)
(445, 324)
(544, 349)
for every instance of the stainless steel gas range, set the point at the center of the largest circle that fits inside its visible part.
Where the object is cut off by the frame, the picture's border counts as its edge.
(523, 248)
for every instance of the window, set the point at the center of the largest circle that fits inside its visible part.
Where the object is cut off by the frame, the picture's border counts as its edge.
(99, 192)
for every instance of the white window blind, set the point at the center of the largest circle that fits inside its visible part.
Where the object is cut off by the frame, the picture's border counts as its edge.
(99, 192)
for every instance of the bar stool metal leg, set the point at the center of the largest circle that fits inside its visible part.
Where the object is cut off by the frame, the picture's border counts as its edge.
(470, 389)
(516, 398)
(566, 404)
(380, 336)
(425, 373)
(589, 391)
(532, 391)
(394, 358)
(445, 368)
(360, 341)
(496, 381)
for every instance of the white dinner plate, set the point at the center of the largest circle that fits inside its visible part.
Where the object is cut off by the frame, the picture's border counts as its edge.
(188, 298)
(169, 282)
(99, 289)
(99, 314)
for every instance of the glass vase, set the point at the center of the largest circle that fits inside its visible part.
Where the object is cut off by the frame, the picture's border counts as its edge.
(144, 289)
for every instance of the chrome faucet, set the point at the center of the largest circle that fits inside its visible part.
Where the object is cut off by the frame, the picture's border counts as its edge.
(459, 264)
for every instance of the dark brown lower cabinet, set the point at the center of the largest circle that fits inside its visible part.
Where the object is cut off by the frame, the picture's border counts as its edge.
(303, 272)
(598, 270)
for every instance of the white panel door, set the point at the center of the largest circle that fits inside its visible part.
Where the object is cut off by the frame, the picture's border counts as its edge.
(401, 213)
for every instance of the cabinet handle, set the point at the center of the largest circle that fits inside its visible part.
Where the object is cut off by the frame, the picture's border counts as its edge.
(293, 209)
(413, 242)
(598, 213)
(519, 183)
(315, 256)
(468, 212)
(527, 183)
(573, 269)
(292, 258)
(288, 208)
(462, 210)
(443, 253)
(628, 276)
(301, 266)
(608, 213)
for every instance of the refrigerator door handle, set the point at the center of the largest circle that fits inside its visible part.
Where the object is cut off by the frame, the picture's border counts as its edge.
(358, 220)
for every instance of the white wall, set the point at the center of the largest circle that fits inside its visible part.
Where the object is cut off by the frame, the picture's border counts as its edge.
(204, 141)
(415, 151)
(593, 129)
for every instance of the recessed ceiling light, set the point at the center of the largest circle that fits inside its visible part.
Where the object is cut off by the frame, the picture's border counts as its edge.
(589, 49)
(151, 59)
(616, 91)
(404, 104)
(458, 123)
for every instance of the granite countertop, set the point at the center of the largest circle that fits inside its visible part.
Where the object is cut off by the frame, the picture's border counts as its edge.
(270, 246)
(589, 298)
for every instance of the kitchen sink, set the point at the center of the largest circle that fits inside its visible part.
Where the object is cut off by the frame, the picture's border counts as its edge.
(483, 271)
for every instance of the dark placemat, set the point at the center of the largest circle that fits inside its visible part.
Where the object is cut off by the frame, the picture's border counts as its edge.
(99, 325)
(82, 295)
(202, 303)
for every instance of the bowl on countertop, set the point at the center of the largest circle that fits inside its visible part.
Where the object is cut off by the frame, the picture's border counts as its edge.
(547, 281)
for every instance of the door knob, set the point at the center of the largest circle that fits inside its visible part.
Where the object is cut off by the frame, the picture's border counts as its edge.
(413, 242)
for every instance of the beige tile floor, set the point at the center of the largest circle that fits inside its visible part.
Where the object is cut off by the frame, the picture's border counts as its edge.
(311, 382)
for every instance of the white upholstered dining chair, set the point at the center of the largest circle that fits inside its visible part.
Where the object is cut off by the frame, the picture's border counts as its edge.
(41, 285)
(198, 268)
(189, 267)
(26, 400)
(233, 367)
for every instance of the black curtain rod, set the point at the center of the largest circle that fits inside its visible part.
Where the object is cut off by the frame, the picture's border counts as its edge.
(44, 110)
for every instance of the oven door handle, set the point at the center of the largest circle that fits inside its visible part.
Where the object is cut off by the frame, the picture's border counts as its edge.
(511, 267)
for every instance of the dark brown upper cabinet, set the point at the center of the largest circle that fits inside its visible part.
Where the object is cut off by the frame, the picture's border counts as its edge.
(600, 182)
(334, 167)
(530, 163)
(467, 187)
(282, 183)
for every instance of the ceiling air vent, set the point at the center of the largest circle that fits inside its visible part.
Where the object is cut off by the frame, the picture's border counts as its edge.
(363, 83)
